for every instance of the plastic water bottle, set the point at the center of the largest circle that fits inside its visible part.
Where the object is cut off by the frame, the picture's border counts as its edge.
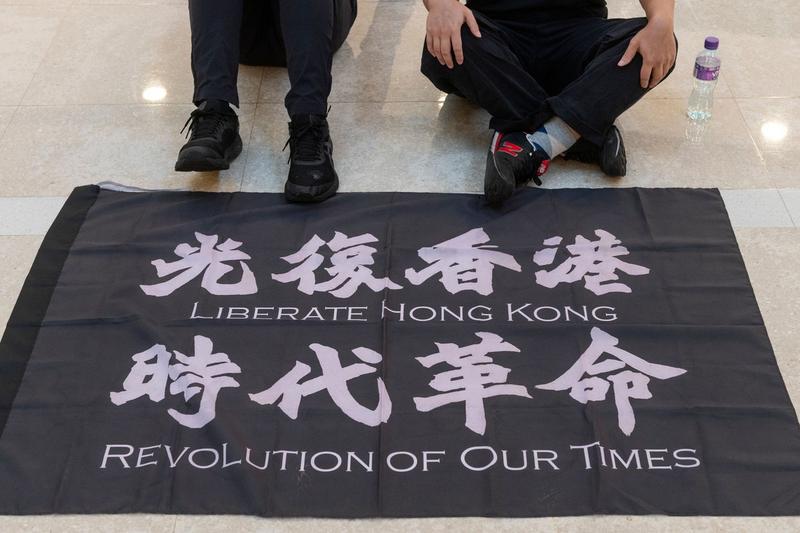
(706, 72)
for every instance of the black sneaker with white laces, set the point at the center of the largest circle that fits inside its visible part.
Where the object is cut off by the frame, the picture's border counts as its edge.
(511, 163)
(214, 139)
(611, 156)
(312, 176)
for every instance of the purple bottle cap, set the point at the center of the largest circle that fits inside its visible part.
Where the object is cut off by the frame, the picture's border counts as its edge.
(712, 43)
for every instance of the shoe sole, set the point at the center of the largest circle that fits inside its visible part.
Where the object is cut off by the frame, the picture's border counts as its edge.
(196, 161)
(301, 195)
(496, 188)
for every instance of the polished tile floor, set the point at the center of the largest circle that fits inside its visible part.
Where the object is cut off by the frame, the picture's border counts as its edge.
(95, 90)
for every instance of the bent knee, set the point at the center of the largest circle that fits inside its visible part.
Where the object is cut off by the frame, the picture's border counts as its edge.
(432, 69)
(453, 80)
(675, 60)
(677, 49)
(438, 74)
(469, 43)
(468, 40)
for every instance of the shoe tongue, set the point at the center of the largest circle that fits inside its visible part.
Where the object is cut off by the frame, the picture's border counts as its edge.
(300, 120)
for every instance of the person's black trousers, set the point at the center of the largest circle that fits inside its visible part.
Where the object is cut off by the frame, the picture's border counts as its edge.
(524, 73)
(299, 34)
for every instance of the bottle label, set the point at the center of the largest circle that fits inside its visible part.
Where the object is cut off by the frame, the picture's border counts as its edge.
(706, 73)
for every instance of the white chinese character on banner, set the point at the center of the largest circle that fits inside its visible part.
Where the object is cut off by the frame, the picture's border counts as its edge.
(334, 378)
(630, 383)
(348, 271)
(205, 372)
(209, 259)
(148, 376)
(475, 377)
(593, 261)
(465, 263)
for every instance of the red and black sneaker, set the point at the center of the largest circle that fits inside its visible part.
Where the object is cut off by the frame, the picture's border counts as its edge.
(512, 162)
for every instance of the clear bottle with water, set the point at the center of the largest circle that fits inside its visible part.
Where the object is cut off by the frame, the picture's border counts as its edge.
(706, 73)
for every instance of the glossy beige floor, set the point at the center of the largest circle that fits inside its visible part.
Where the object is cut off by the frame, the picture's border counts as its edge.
(94, 90)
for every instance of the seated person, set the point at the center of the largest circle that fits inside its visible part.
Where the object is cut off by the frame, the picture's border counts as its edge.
(554, 75)
(299, 34)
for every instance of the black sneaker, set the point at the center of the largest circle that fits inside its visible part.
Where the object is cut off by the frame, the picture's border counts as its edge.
(312, 177)
(611, 156)
(512, 162)
(214, 139)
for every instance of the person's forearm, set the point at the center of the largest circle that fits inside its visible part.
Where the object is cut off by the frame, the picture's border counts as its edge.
(658, 10)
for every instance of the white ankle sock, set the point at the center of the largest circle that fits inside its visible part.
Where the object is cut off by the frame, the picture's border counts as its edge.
(555, 137)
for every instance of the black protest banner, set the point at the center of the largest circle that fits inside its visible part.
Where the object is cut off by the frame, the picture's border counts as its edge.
(386, 354)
